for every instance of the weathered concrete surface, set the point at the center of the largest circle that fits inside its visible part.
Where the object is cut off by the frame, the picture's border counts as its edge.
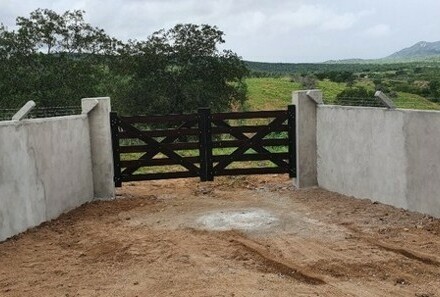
(24, 111)
(391, 156)
(45, 170)
(422, 145)
(305, 138)
(98, 110)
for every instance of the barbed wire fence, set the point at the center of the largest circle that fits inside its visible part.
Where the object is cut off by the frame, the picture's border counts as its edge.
(417, 102)
(6, 114)
(407, 102)
(354, 101)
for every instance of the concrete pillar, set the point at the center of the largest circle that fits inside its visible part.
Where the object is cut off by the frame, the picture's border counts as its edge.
(306, 146)
(24, 111)
(98, 111)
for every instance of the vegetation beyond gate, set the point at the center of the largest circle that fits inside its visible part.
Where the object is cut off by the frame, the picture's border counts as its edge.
(203, 145)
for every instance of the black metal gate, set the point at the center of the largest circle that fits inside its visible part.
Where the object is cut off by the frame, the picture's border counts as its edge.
(203, 145)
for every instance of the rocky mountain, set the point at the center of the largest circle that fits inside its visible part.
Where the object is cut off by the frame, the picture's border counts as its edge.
(422, 50)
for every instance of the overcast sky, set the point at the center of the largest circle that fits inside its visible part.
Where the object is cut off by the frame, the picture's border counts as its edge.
(268, 31)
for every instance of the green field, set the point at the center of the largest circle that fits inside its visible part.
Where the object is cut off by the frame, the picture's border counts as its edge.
(270, 93)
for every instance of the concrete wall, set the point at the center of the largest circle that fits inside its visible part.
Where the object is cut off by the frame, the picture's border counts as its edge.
(98, 111)
(49, 166)
(45, 170)
(306, 175)
(391, 156)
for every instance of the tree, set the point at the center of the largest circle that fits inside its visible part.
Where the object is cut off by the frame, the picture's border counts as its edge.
(434, 89)
(49, 32)
(54, 59)
(308, 81)
(181, 69)
(337, 76)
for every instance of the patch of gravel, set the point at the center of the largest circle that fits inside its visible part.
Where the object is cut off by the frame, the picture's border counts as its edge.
(244, 219)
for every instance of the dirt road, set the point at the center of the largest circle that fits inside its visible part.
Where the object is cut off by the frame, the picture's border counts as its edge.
(253, 236)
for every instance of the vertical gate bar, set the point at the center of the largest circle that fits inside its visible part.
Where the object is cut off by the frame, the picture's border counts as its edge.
(292, 139)
(114, 124)
(205, 144)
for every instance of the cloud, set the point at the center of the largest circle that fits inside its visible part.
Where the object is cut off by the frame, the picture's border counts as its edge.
(287, 19)
(379, 30)
(282, 30)
(319, 17)
(340, 22)
(137, 18)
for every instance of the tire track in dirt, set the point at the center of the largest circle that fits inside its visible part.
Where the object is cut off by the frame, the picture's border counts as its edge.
(329, 284)
(271, 263)
(413, 255)
(404, 252)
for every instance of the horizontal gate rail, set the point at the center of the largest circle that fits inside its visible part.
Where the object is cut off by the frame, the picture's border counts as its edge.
(203, 145)
(195, 145)
(218, 158)
(247, 115)
(154, 176)
(157, 162)
(246, 129)
(157, 133)
(159, 119)
(251, 157)
(145, 148)
(246, 171)
(237, 143)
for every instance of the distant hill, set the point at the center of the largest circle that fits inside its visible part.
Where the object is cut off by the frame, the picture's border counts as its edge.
(420, 50)
(419, 55)
(260, 68)
(290, 68)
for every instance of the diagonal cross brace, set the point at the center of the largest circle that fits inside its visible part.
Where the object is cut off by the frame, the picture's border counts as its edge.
(249, 144)
(258, 148)
(155, 150)
(160, 148)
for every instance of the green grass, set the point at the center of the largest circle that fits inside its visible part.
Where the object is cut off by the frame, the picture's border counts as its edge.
(330, 89)
(412, 101)
(276, 93)
(270, 93)
(366, 83)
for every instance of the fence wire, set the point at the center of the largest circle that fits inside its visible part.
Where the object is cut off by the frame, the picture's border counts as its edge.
(354, 101)
(7, 114)
(407, 102)
(41, 112)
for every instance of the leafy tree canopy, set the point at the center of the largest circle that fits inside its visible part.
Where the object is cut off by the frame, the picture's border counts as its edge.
(55, 59)
(182, 69)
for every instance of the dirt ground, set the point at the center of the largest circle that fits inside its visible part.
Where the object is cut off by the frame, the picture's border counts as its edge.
(242, 236)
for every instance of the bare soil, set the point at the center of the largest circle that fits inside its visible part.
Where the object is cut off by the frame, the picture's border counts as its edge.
(243, 236)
